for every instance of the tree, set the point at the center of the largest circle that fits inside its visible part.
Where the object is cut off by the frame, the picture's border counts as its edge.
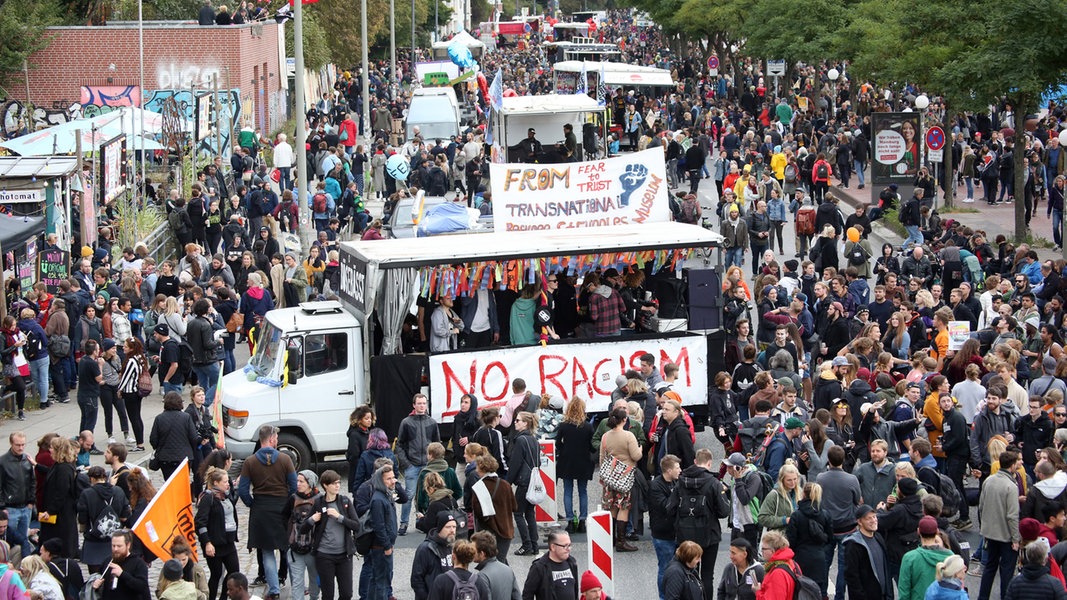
(22, 32)
(316, 48)
(1007, 50)
(793, 31)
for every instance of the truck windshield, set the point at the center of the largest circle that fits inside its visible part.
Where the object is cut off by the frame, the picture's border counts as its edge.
(267, 349)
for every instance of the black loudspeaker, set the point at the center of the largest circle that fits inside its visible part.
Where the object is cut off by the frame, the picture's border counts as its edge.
(705, 299)
(670, 291)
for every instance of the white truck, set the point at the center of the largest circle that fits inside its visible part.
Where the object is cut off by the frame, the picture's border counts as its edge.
(315, 363)
(546, 115)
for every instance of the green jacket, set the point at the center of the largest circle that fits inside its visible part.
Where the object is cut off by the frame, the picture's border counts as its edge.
(776, 509)
(917, 571)
(439, 466)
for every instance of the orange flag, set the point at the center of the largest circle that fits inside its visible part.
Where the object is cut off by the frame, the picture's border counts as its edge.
(169, 515)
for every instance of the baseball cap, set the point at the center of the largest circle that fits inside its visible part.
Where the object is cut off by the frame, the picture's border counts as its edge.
(794, 423)
(736, 459)
(839, 361)
(786, 382)
(161, 329)
(927, 526)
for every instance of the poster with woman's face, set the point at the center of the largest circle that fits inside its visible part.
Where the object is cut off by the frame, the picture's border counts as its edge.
(895, 147)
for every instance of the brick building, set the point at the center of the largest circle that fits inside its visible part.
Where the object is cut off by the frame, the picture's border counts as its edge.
(98, 68)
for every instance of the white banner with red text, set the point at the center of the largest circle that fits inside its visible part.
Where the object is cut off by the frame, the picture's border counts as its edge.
(629, 189)
(585, 370)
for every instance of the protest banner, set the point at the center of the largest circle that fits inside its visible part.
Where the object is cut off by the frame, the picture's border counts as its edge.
(52, 267)
(629, 189)
(586, 370)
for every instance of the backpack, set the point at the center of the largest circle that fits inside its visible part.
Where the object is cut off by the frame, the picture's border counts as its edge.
(185, 358)
(301, 539)
(318, 202)
(822, 171)
(34, 345)
(804, 588)
(689, 211)
(948, 492)
(805, 220)
(365, 538)
(694, 517)
(754, 440)
(857, 255)
(790, 174)
(463, 590)
(816, 531)
(106, 522)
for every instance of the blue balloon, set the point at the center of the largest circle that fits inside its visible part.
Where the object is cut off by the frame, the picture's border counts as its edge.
(398, 168)
(460, 55)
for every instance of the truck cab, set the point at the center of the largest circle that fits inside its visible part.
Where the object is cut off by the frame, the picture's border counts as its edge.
(305, 377)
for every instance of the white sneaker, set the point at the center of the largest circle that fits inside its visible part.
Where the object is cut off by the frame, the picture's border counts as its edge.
(110, 440)
(969, 200)
(131, 441)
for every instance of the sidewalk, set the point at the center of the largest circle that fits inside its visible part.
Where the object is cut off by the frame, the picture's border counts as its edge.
(994, 220)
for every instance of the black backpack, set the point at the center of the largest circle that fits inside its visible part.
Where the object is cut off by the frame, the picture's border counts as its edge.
(823, 171)
(185, 358)
(950, 496)
(106, 521)
(59, 345)
(34, 345)
(301, 539)
(463, 590)
(694, 516)
(857, 256)
(804, 587)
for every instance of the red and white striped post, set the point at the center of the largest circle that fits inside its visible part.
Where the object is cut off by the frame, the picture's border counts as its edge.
(548, 510)
(601, 548)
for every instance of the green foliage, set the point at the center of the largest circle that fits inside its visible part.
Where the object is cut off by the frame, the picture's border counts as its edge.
(133, 224)
(793, 31)
(316, 46)
(158, 10)
(22, 32)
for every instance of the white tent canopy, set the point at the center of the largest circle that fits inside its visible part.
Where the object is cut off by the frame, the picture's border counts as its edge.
(616, 74)
(464, 38)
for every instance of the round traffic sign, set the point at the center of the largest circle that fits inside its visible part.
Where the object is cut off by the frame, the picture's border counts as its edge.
(713, 62)
(935, 138)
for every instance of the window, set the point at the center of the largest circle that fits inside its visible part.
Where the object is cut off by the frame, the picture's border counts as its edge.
(325, 353)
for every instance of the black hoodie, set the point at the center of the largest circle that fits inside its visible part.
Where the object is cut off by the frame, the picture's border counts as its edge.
(698, 480)
(858, 393)
(433, 557)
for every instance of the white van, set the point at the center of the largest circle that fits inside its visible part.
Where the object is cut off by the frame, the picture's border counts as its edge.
(435, 111)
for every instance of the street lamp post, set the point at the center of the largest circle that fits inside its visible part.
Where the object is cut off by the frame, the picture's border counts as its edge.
(366, 70)
(392, 48)
(832, 75)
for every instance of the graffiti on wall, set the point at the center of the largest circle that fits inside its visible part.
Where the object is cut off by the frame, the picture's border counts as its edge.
(230, 107)
(18, 118)
(111, 95)
(175, 76)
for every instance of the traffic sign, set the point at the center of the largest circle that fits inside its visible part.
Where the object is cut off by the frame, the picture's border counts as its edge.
(713, 65)
(935, 138)
(776, 67)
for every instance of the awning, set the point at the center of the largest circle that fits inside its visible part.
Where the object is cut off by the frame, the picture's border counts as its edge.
(511, 28)
(618, 74)
(16, 231)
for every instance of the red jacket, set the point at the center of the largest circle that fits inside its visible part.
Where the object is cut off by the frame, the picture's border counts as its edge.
(350, 126)
(777, 584)
(815, 171)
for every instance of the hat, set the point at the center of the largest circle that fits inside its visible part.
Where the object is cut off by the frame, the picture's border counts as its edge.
(107, 344)
(837, 306)
(908, 487)
(767, 289)
(914, 384)
(794, 423)
(748, 168)
(1049, 364)
(105, 294)
(893, 186)
(311, 477)
(862, 308)
(865, 407)
(86, 251)
(661, 386)
(589, 582)
(443, 518)
(777, 149)
(928, 526)
(802, 297)
(612, 272)
(161, 329)
(555, 402)
(1032, 321)
(792, 265)
(839, 401)
(1029, 529)
(673, 395)
(786, 382)
(264, 228)
(620, 381)
(737, 459)
(219, 257)
(839, 361)
(172, 570)
(862, 510)
(863, 373)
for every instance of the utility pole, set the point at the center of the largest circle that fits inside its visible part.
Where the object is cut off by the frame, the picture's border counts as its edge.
(392, 48)
(366, 70)
(301, 130)
(412, 67)
(218, 112)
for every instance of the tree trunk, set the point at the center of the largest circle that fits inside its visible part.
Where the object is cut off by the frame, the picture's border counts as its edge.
(948, 178)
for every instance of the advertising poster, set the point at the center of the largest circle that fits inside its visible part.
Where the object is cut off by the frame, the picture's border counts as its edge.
(625, 190)
(896, 147)
(958, 333)
(112, 168)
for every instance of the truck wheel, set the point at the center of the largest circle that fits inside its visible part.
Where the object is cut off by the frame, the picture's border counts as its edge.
(297, 449)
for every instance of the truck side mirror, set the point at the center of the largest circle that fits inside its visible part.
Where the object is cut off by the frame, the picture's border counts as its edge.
(293, 364)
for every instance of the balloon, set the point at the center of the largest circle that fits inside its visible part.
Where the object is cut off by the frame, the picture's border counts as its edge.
(1063, 137)
(509, 93)
(460, 55)
(398, 168)
(853, 235)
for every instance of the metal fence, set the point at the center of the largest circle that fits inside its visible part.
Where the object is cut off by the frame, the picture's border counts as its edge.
(161, 243)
